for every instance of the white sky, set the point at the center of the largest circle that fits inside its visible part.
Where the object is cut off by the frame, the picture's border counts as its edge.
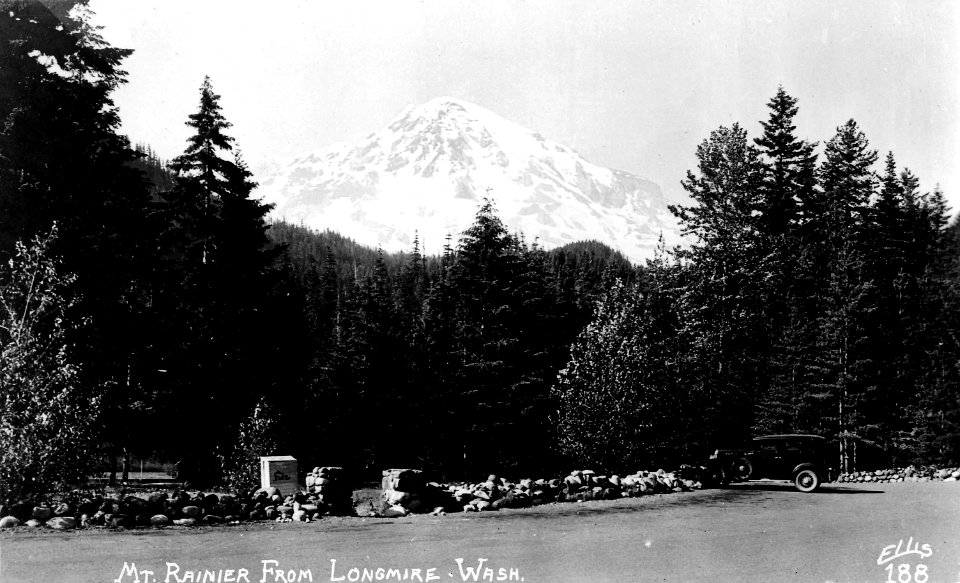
(630, 85)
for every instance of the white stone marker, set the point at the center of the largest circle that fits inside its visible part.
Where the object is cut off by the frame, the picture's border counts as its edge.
(279, 471)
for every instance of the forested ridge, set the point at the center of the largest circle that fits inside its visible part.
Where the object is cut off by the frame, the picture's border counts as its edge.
(150, 308)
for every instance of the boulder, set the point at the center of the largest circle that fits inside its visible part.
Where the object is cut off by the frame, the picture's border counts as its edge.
(160, 520)
(42, 513)
(403, 480)
(122, 521)
(9, 522)
(143, 519)
(212, 519)
(22, 510)
(257, 514)
(185, 522)
(157, 499)
(62, 522)
(224, 509)
(191, 511)
(33, 523)
(394, 512)
(268, 492)
(209, 502)
(63, 509)
(396, 497)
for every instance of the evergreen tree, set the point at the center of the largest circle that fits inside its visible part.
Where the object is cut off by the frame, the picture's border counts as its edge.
(442, 373)
(721, 299)
(215, 282)
(847, 181)
(487, 341)
(843, 361)
(62, 161)
(790, 170)
(787, 208)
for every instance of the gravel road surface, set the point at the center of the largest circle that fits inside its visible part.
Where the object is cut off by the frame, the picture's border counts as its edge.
(757, 532)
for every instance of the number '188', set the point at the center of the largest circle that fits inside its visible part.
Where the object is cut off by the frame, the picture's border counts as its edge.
(904, 575)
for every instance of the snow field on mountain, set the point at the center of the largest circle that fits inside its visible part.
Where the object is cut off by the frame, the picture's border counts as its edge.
(427, 172)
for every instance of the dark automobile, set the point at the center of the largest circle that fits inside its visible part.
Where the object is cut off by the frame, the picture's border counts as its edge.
(802, 459)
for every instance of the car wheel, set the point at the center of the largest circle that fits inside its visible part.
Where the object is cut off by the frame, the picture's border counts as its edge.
(807, 480)
(740, 470)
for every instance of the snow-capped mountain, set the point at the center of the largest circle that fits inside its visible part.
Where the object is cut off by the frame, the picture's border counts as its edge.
(428, 171)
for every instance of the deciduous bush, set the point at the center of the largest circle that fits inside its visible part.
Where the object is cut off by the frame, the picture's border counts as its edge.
(47, 419)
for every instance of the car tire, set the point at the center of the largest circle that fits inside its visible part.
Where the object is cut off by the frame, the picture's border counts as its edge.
(807, 480)
(740, 470)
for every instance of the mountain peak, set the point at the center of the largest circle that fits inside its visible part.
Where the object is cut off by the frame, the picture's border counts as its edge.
(446, 102)
(428, 170)
(454, 115)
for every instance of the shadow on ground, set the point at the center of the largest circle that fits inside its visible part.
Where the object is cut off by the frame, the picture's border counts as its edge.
(831, 488)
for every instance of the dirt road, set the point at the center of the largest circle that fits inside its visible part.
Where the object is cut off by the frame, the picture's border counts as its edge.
(763, 533)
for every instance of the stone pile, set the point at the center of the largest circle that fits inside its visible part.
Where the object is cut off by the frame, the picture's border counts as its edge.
(898, 475)
(331, 489)
(326, 498)
(330, 496)
(583, 485)
(495, 493)
(128, 511)
(406, 491)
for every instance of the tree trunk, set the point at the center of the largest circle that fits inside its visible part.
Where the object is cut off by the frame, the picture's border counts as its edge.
(126, 465)
(112, 457)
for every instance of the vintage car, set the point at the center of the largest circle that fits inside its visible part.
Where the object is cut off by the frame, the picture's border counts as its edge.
(802, 459)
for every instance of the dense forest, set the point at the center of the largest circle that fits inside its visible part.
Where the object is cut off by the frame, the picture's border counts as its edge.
(816, 296)
(149, 308)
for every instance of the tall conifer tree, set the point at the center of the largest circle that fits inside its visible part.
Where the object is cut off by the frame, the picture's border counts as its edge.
(216, 279)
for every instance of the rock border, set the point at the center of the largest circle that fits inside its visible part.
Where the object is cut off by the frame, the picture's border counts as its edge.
(900, 475)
